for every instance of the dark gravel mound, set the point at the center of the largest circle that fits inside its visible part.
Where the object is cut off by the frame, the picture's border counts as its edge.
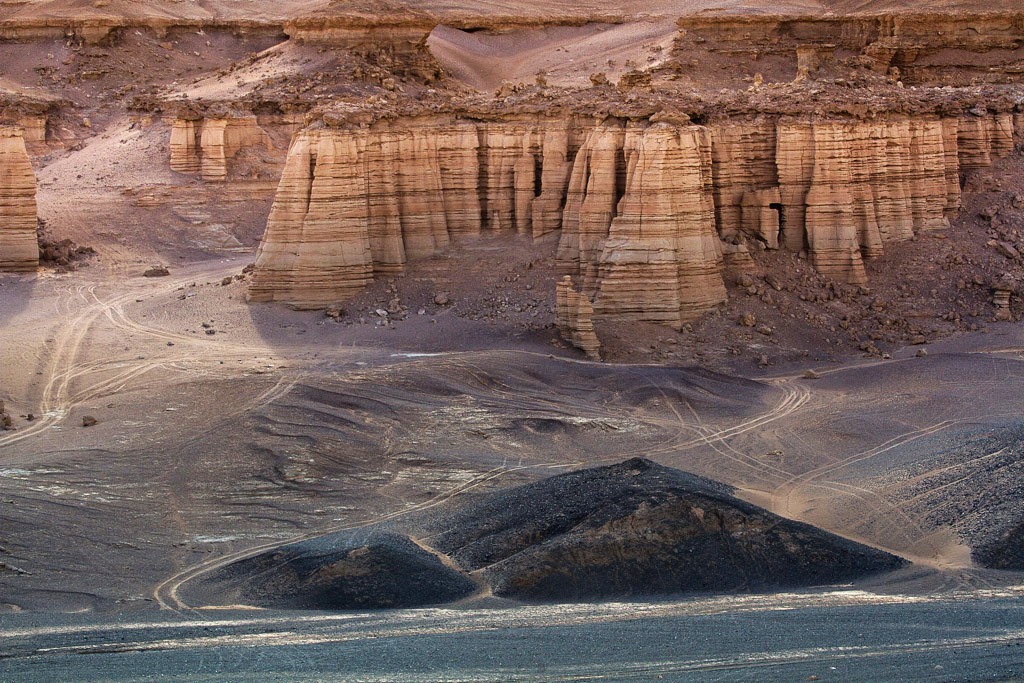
(637, 528)
(970, 479)
(343, 571)
(631, 529)
(1006, 552)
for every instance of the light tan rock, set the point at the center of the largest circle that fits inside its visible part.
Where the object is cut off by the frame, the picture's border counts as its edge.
(950, 147)
(525, 178)
(574, 319)
(888, 179)
(503, 147)
(760, 215)
(185, 145)
(974, 142)
(743, 161)
(832, 235)
(19, 249)
(591, 199)
(1002, 134)
(983, 137)
(736, 258)
(794, 160)
(458, 158)
(810, 58)
(205, 146)
(33, 129)
(384, 216)
(547, 207)
(1002, 289)
(661, 261)
(645, 207)
(929, 178)
(385, 195)
(316, 250)
(421, 205)
(222, 139)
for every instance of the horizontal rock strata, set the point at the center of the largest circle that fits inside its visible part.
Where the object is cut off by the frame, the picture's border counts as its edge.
(646, 207)
(574, 319)
(846, 188)
(19, 249)
(920, 46)
(204, 146)
(359, 202)
(640, 223)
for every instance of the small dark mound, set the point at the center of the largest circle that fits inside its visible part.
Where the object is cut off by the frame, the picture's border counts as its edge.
(637, 528)
(1006, 552)
(343, 571)
(631, 529)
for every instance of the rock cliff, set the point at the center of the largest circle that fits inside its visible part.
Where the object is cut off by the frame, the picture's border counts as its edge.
(847, 188)
(646, 206)
(919, 46)
(205, 146)
(365, 200)
(639, 222)
(574, 319)
(19, 249)
(403, 190)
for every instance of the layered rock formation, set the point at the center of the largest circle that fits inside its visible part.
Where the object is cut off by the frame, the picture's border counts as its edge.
(204, 146)
(19, 250)
(848, 187)
(646, 206)
(400, 192)
(574, 319)
(33, 128)
(645, 243)
(357, 202)
(919, 46)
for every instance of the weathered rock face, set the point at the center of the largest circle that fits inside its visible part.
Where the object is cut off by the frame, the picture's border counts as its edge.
(646, 244)
(574, 319)
(845, 188)
(316, 249)
(33, 129)
(648, 208)
(743, 155)
(19, 250)
(359, 202)
(406, 190)
(920, 46)
(205, 146)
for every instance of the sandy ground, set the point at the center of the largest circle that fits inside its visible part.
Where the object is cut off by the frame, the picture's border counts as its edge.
(566, 55)
(282, 424)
